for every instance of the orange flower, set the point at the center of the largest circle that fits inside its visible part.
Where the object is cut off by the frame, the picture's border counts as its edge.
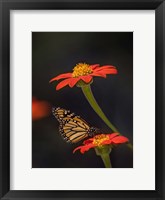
(40, 109)
(100, 141)
(83, 72)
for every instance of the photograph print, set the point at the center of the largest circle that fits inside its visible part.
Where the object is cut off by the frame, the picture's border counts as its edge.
(82, 99)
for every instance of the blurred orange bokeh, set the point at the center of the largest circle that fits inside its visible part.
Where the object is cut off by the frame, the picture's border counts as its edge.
(40, 109)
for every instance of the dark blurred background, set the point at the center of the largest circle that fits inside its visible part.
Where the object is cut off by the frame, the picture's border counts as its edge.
(54, 53)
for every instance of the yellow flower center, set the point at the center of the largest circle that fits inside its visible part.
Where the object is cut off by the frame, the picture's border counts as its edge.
(98, 139)
(81, 69)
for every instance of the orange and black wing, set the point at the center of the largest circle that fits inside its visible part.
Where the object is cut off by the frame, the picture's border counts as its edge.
(73, 128)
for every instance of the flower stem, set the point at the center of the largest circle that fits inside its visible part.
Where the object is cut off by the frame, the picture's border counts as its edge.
(92, 101)
(89, 96)
(104, 152)
(106, 160)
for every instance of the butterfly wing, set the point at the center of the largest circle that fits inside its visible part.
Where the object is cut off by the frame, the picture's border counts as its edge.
(72, 127)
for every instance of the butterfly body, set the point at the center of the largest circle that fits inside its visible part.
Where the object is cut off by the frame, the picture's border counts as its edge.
(72, 127)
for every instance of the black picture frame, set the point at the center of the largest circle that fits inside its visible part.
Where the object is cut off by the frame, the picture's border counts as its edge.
(5, 7)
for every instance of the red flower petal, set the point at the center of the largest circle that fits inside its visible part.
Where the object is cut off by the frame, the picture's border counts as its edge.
(119, 139)
(84, 148)
(87, 147)
(105, 67)
(112, 135)
(73, 82)
(109, 71)
(90, 140)
(61, 76)
(106, 142)
(94, 66)
(77, 148)
(86, 79)
(98, 74)
(63, 83)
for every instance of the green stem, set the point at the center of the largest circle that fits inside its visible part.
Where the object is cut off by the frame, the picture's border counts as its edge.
(104, 152)
(92, 101)
(106, 160)
(89, 96)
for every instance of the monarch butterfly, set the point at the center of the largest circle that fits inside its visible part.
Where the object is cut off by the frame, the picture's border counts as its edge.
(72, 127)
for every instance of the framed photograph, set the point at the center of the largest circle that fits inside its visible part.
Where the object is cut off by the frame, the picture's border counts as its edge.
(82, 99)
